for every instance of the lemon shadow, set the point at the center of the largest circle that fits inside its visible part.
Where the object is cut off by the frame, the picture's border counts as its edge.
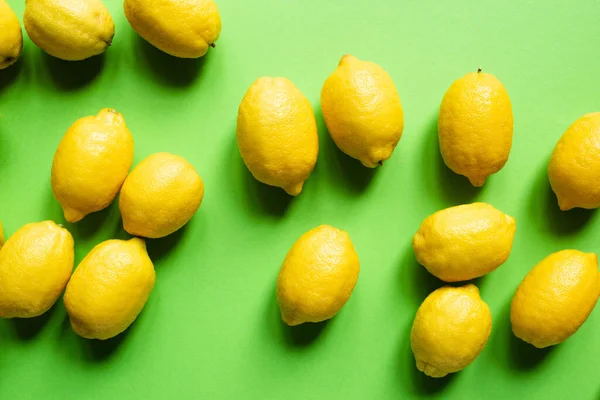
(29, 328)
(73, 75)
(159, 248)
(167, 69)
(543, 207)
(103, 350)
(9, 76)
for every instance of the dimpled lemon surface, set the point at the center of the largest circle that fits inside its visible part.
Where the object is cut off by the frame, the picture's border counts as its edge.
(35, 265)
(475, 126)
(160, 196)
(574, 168)
(555, 298)
(362, 110)
(318, 276)
(11, 38)
(91, 163)
(109, 288)
(450, 329)
(277, 134)
(181, 28)
(69, 29)
(464, 242)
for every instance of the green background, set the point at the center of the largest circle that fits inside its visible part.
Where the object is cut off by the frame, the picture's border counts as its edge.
(211, 328)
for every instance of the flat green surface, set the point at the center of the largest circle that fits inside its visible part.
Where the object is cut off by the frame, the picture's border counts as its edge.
(211, 328)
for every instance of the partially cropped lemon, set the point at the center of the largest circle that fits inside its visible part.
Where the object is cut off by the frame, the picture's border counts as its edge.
(181, 28)
(69, 29)
(109, 288)
(318, 276)
(277, 134)
(91, 163)
(556, 298)
(450, 329)
(475, 126)
(362, 110)
(35, 265)
(1, 235)
(574, 168)
(11, 38)
(464, 242)
(160, 196)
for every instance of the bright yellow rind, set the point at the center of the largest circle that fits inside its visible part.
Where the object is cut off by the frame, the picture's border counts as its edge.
(362, 111)
(11, 38)
(109, 288)
(555, 298)
(450, 330)
(318, 276)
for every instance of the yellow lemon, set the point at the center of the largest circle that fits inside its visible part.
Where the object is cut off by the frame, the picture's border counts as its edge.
(35, 265)
(450, 329)
(181, 28)
(91, 163)
(11, 38)
(1, 235)
(362, 111)
(475, 126)
(464, 242)
(69, 29)
(555, 298)
(160, 196)
(574, 168)
(277, 134)
(109, 288)
(318, 276)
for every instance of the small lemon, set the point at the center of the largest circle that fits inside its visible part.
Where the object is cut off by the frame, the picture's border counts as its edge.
(109, 288)
(161, 195)
(362, 111)
(317, 277)
(450, 329)
(91, 163)
(35, 265)
(11, 38)
(475, 126)
(181, 28)
(69, 29)
(277, 134)
(574, 168)
(464, 242)
(555, 298)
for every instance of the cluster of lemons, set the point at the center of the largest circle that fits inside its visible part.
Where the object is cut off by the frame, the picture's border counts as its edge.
(278, 141)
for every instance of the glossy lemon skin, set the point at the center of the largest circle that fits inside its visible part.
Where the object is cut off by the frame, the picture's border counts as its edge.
(160, 196)
(277, 134)
(362, 111)
(91, 163)
(318, 276)
(35, 265)
(555, 298)
(109, 288)
(450, 330)
(71, 30)
(181, 28)
(475, 126)
(11, 37)
(464, 242)
(574, 168)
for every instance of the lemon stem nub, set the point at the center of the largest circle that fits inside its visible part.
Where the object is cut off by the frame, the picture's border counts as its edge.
(479, 70)
(380, 163)
(213, 45)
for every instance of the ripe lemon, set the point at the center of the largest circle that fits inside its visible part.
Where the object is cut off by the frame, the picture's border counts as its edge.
(1, 235)
(555, 298)
(475, 126)
(181, 28)
(362, 111)
(450, 329)
(318, 276)
(160, 196)
(91, 163)
(574, 168)
(277, 134)
(109, 288)
(464, 242)
(11, 38)
(35, 265)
